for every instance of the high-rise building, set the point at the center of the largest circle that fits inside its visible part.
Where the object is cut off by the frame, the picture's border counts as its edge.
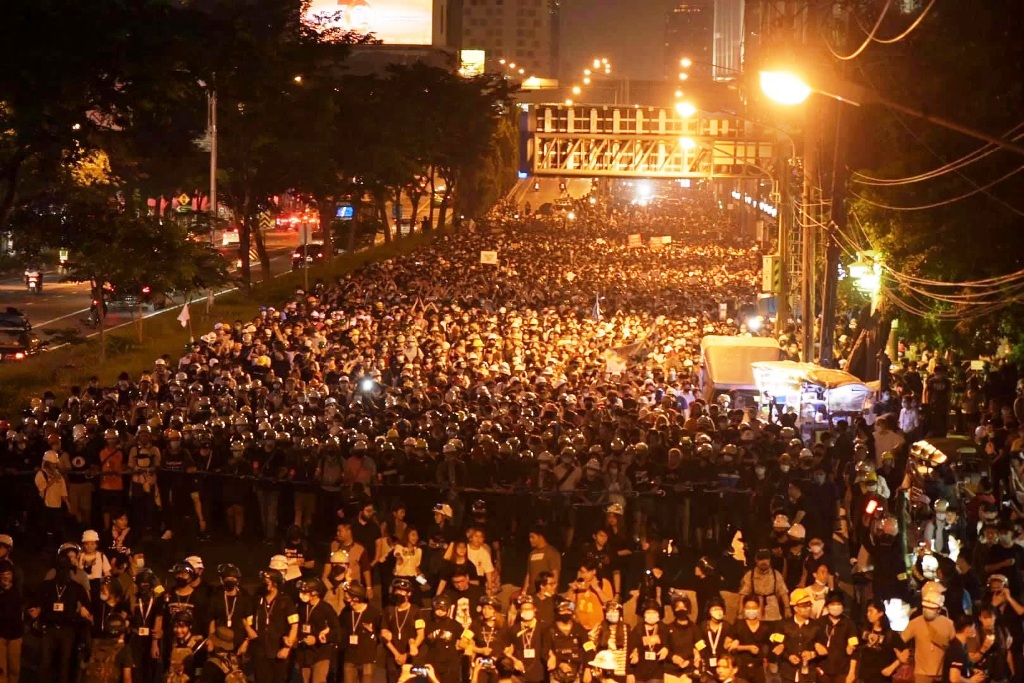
(728, 45)
(521, 32)
(689, 34)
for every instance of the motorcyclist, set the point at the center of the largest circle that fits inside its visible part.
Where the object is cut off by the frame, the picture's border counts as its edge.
(34, 274)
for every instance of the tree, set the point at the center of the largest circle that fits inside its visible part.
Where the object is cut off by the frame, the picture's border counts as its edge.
(965, 65)
(74, 71)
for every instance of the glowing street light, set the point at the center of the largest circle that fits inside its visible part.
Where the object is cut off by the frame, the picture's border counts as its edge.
(679, 93)
(502, 61)
(512, 65)
(586, 80)
(604, 61)
(597, 63)
(687, 143)
(568, 103)
(685, 109)
(683, 76)
(686, 62)
(587, 72)
(522, 72)
(576, 90)
(298, 79)
(784, 87)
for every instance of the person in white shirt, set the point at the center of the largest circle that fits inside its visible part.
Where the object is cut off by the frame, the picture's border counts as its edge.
(910, 416)
(408, 554)
(92, 562)
(480, 555)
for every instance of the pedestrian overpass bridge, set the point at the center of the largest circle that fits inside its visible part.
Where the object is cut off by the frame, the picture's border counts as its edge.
(606, 141)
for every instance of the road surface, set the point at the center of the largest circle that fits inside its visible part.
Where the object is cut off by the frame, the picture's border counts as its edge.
(64, 305)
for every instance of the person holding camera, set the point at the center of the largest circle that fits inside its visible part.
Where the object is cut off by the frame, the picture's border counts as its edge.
(590, 594)
(485, 641)
(441, 642)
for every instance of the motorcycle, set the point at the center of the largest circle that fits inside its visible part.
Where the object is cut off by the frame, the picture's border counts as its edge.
(96, 313)
(34, 282)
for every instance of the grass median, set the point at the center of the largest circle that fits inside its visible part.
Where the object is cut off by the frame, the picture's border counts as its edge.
(64, 367)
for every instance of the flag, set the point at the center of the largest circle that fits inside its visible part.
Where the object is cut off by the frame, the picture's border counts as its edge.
(597, 307)
(184, 317)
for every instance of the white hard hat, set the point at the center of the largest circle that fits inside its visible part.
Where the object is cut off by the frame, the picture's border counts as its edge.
(195, 562)
(279, 562)
(90, 536)
(51, 457)
(781, 522)
(797, 531)
(605, 659)
(339, 557)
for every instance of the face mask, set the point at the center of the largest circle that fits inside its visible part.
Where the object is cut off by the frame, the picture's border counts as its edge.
(717, 614)
(304, 597)
(783, 468)
(651, 618)
(929, 613)
(751, 614)
(230, 584)
(871, 488)
(1006, 539)
(817, 550)
(400, 598)
(104, 595)
(337, 571)
(818, 479)
(262, 590)
(527, 615)
(181, 581)
(612, 617)
(140, 563)
(564, 618)
(835, 610)
(759, 471)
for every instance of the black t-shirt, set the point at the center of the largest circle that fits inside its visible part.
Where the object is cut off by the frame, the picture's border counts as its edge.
(877, 651)
(366, 534)
(59, 602)
(194, 602)
(272, 622)
(998, 554)
(403, 624)
(231, 611)
(743, 634)
(956, 658)
(360, 634)
(83, 460)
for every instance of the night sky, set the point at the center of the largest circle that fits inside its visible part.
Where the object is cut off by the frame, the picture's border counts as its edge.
(630, 33)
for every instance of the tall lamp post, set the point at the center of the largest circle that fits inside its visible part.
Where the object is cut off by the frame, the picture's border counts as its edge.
(789, 88)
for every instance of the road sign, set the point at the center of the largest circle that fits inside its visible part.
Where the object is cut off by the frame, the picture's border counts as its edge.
(184, 203)
(305, 232)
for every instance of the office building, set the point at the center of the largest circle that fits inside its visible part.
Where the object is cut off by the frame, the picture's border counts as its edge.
(727, 55)
(689, 34)
(521, 32)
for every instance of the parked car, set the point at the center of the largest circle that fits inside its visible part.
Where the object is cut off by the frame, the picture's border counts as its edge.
(127, 298)
(16, 345)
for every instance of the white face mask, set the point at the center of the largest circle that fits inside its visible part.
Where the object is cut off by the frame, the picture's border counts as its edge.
(612, 617)
(140, 562)
(751, 614)
(651, 618)
(783, 468)
(835, 609)
(817, 550)
(717, 614)
(527, 615)
(304, 597)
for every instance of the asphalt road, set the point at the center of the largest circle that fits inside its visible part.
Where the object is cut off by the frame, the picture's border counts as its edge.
(63, 305)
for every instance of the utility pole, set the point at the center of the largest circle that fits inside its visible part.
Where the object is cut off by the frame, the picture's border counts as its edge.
(836, 225)
(211, 101)
(810, 210)
(784, 219)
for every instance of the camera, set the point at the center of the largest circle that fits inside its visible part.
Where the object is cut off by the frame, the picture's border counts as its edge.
(420, 671)
(486, 662)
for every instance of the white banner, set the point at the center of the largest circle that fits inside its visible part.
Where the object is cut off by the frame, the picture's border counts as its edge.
(489, 258)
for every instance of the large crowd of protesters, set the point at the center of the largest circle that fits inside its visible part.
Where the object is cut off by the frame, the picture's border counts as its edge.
(463, 471)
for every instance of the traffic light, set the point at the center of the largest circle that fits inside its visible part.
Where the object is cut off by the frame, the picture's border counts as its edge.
(771, 273)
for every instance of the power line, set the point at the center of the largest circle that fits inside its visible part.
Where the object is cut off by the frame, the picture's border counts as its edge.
(867, 41)
(945, 202)
(910, 29)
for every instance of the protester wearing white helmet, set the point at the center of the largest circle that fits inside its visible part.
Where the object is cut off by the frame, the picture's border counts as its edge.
(931, 633)
(93, 562)
(53, 491)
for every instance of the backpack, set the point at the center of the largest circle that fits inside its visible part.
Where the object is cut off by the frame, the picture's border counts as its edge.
(228, 663)
(102, 665)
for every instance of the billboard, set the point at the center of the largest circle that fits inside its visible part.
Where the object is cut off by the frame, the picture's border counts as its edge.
(395, 22)
(472, 63)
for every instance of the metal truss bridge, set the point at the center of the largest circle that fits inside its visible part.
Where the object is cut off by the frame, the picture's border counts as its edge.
(641, 142)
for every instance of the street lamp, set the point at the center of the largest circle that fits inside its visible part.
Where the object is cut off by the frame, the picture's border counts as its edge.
(784, 87)
(687, 143)
(685, 109)
(686, 62)
(789, 89)
(586, 80)
(597, 63)
(576, 90)
(683, 76)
